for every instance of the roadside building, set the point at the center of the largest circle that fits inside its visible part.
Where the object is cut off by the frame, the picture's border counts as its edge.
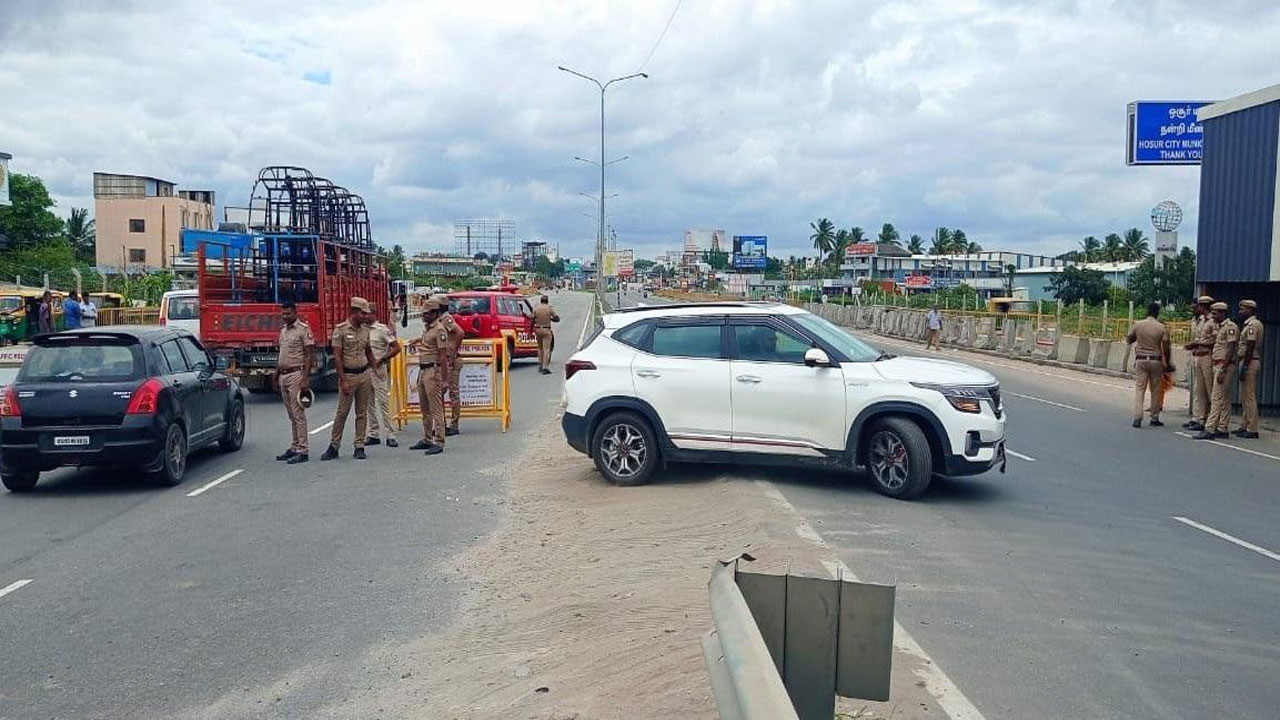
(1238, 237)
(1035, 280)
(448, 266)
(139, 220)
(983, 271)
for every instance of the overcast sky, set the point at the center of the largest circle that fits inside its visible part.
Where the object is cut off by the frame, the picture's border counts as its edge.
(1005, 119)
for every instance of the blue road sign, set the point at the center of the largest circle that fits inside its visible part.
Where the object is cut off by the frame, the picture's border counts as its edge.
(750, 252)
(1165, 133)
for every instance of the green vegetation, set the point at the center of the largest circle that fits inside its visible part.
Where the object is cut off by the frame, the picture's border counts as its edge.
(1130, 247)
(29, 221)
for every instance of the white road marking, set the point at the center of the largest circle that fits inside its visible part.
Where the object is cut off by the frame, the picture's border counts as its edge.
(1046, 402)
(14, 586)
(948, 696)
(1019, 455)
(1229, 447)
(880, 339)
(322, 428)
(215, 483)
(1229, 538)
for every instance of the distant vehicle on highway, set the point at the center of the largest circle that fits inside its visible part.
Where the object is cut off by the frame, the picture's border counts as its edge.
(181, 309)
(770, 383)
(496, 314)
(138, 396)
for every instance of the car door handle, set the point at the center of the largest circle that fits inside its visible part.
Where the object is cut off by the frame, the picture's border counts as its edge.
(648, 373)
(748, 379)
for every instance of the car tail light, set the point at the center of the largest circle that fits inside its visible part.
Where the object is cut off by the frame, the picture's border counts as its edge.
(146, 399)
(572, 367)
(9, 406)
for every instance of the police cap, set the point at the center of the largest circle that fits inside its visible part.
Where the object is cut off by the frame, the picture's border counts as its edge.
(1249, 304)
(1204, 300)
(1219, 306)
(359, 303)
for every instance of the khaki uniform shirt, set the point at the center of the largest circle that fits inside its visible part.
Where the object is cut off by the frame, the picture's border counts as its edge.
(1227, 333)
(435, 342)
(380, 338)
(294, 342)
(1251, 332)
(351, 342)
(543, 315)
(1151, 335)
(1204, 331)
(456, 333)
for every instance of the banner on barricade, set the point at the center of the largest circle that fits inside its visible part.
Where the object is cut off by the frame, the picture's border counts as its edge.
(484, 385)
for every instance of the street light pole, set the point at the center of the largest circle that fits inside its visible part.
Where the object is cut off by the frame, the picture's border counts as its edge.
(600, 230)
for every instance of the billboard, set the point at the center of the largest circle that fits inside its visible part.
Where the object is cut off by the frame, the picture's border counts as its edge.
(626, 263)
(699, 241)
(610, 261)
(1164, 133)
(750, 252)
(867, 248)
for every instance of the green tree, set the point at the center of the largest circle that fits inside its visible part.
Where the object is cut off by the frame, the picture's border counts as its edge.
(772, 268)
(1135, 245)
(395, 262)
(718, 259)
(973, 247)
(1090, 249)
(545, 268)
(1112, 248)
(1173, 282)
(82, 235)
(941, 241)
(29, 220)
(823, 237)
(889, 234)
(915, 245)
(1076, 283)
(959, 242)
(644, 265)
(838, 247)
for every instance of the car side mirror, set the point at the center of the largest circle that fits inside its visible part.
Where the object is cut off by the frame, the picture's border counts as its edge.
(816, 357)
(204, 370)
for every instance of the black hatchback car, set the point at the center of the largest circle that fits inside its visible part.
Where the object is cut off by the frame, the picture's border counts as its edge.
(143, 397)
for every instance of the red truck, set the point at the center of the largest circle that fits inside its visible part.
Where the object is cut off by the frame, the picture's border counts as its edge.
(309, 244)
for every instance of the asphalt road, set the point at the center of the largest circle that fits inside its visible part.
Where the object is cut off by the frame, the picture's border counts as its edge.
(1067, 588)
(148, 603)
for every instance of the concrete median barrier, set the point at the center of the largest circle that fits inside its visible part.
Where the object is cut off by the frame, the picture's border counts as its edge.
(985, 336)
(1118, 357)
(1073, 349)
(1046, 344)
(1098, 352)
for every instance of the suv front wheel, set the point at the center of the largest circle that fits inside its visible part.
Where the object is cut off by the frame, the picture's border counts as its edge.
(898, 458)
(624, 449)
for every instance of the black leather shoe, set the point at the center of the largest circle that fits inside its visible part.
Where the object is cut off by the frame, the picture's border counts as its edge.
(1202, 435)
(450, 431)
(330, 454)
(1192, 425)
(1248, 435)
(286, 454)
(420, 445)
(1155, 422)
(433, 450)
(298, 458)
(372, 441)
(391, 442)
(1137, 423)
(359, 454)
(1222, 435)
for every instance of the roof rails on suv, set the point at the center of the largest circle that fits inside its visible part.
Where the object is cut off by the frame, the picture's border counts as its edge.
(718, 303)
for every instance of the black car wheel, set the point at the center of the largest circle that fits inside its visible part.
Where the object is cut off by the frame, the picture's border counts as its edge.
(235, 429)
(174, 464)
(21, 482)
(624, 449)
(898, 458)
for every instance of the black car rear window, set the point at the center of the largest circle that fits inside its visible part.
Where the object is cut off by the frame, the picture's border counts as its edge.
(83, 359)
(469, 306)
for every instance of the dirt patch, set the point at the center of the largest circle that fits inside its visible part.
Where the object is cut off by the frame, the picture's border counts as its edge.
(591, 600)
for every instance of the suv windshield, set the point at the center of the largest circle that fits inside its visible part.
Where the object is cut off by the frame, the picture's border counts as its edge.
(82, 360)
(851, 347)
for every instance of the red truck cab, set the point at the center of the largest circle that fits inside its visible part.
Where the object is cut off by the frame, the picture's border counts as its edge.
(486, 314)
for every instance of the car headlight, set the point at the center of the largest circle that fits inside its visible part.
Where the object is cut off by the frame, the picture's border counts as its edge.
(965, 398)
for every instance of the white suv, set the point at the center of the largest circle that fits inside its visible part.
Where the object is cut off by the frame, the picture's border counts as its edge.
(765, 382)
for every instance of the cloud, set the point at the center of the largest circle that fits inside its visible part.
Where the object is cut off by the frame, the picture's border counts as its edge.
(1005, 119)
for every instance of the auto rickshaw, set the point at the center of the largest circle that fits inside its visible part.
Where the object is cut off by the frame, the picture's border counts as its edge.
(106, 299)
(20, 312)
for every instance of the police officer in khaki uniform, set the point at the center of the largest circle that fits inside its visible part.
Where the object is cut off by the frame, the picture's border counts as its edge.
(382, 339)
(293, 378)
(1250, 365)
(354, 358)
(1150, 340)
(453, 380)
(1203, 332)
(543, 316)
(1224, 355)
(433, 360)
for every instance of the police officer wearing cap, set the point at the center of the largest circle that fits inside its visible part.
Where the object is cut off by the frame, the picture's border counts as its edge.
(293, 377)
(353, 356)
(1203, 332)
(543, 316)
(454, 377)
(1150, 340)
(1223, 356)
(433, 361)
(382, 338)
(1250, 355)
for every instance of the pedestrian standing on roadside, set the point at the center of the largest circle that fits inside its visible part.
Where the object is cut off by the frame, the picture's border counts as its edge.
(543, 316)
(382, 339)
(1224, 358)
(1150, 340)
(1251, 335)
(88, 312)
(433, 352)
(293, 378)
(1203, 332)
(354, 359)
(71, 311)
(934, 319)
(453, 378)
(46, 313)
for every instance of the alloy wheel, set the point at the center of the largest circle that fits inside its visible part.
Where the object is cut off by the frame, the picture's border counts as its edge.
(624, 450)
(887, 459)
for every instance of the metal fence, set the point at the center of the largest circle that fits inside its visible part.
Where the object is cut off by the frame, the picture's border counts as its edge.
(129, 316)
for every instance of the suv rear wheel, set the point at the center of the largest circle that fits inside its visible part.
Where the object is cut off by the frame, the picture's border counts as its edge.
(898, 458)
(21, 481)
(624, 448)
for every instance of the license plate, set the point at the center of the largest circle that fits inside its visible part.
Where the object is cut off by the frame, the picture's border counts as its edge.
(71, 441)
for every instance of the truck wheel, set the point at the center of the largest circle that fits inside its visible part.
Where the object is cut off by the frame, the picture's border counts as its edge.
(624, 449)
(21, 482)
(898, 458)
(173, 464)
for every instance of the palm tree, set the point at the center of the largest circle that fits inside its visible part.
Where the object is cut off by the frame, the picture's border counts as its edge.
(972, 248)
(82, 235)
(915, 245)
(1112, 248)
(959, 242)
(838, 247)
(1135, 245)
(1090, 248)
(941, 241)
(889, 234)
(823, 237)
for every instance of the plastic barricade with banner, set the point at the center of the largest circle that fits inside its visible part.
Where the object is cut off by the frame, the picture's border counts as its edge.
(484, 384)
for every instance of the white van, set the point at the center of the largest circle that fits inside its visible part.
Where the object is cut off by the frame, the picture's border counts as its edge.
(181, 308)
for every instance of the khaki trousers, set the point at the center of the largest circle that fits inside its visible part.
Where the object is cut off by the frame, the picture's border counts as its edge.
(361, 389)
(1202, 370)
(381, 424)
(455, 400)
(1219, 418)
(431, 404)
(290, 388)
(1249, 394)
(1147, 375)
(544, 346)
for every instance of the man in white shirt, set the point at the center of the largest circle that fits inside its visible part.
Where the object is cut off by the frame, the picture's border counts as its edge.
(88, 313)
(935, 328)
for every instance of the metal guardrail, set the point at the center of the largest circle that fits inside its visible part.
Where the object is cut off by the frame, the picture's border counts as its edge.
(129, 316)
